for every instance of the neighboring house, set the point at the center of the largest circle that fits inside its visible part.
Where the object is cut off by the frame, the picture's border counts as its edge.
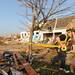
(24, 36)
(39, 35)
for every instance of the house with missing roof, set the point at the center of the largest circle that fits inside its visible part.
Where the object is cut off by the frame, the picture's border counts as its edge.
(61, 27)
(40, 35)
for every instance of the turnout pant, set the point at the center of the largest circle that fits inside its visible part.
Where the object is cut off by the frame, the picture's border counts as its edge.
(60, 57)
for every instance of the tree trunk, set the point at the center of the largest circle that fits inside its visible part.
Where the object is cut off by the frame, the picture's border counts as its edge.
(31, 34)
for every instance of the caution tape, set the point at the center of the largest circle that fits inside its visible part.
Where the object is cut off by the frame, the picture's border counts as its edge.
(43, 45)
(49, 46)
(64, 48)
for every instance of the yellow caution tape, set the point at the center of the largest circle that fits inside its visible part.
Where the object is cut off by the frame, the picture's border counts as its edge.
(44, 45)
(49, 46)
(64, 48)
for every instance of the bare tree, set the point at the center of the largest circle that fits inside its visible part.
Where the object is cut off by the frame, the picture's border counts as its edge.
(44, 10)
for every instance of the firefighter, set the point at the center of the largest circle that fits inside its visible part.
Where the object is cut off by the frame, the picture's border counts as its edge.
(61, 51)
